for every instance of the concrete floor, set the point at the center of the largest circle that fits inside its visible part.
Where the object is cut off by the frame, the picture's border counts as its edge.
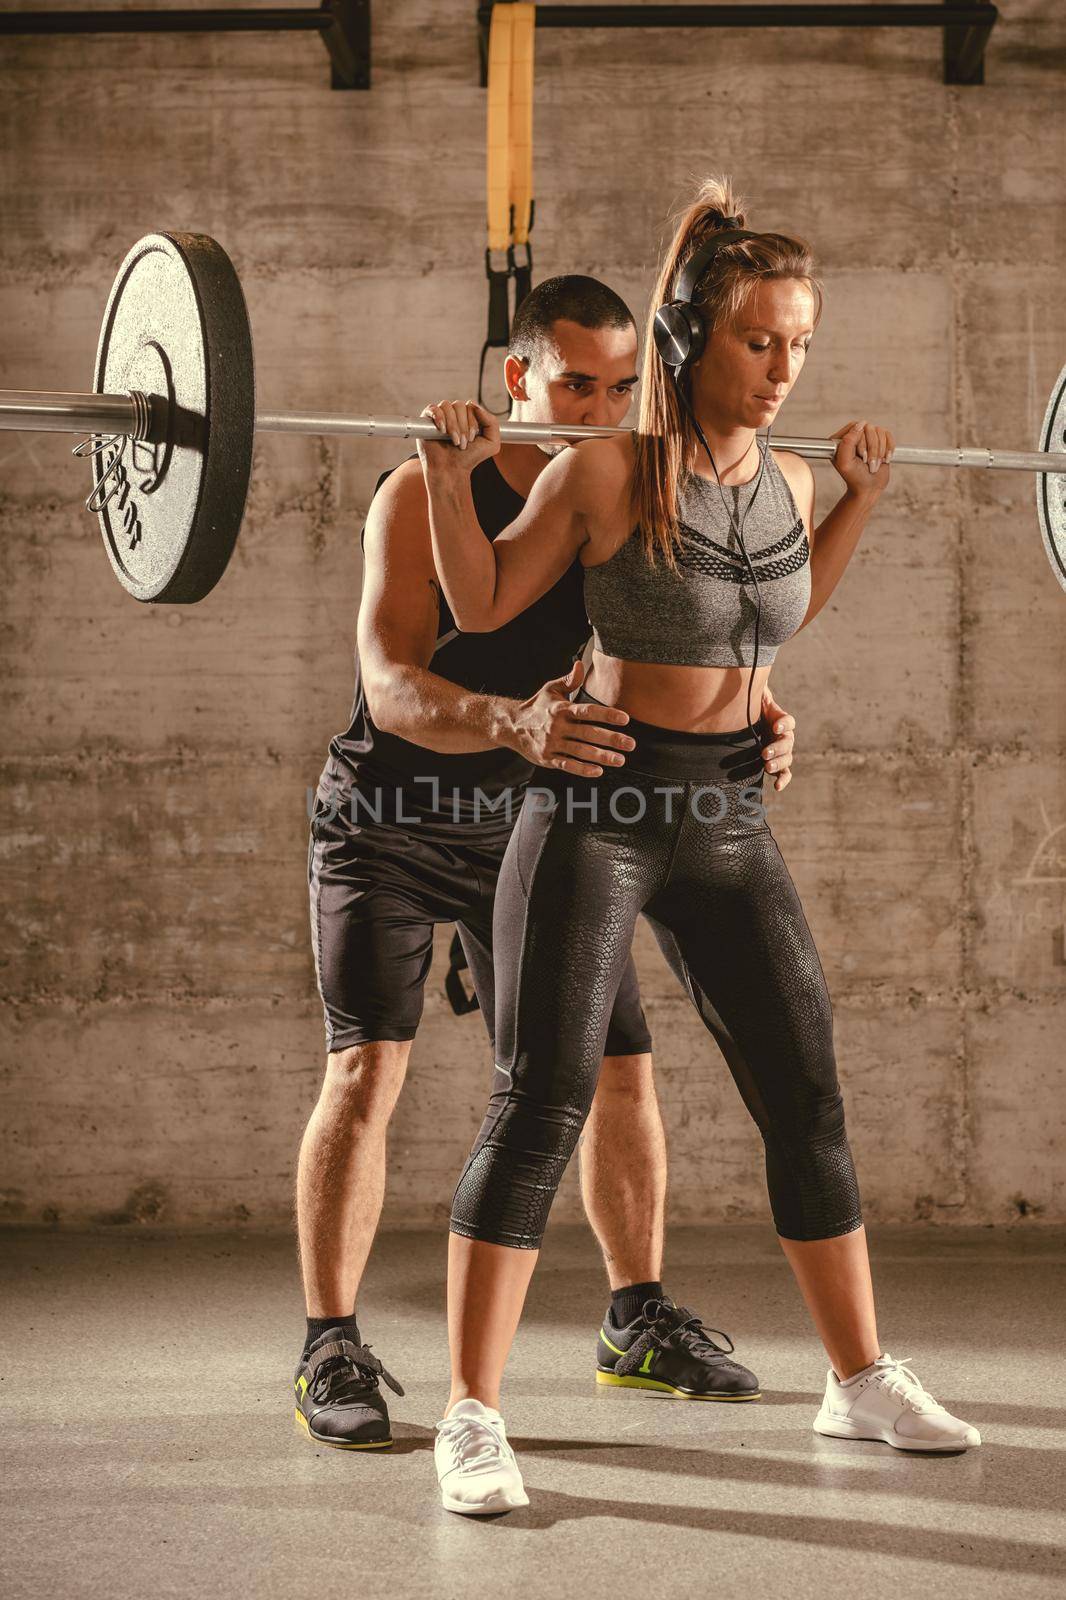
(150, 1449)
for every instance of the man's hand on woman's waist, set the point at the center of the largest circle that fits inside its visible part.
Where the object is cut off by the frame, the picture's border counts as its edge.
(581, 738)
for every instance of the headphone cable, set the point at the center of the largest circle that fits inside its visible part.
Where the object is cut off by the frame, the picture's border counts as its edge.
(738, 529)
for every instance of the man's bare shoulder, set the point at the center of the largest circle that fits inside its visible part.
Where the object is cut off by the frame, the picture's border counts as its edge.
(397, 523)
(403, 493)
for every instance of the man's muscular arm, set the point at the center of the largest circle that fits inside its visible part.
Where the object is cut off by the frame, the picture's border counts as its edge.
(399, 616)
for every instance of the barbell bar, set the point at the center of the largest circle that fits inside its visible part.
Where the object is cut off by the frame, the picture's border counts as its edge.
(551, 433)
(176, 324)
(29, 410)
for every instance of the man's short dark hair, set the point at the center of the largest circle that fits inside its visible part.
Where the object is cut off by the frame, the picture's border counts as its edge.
(574, 297)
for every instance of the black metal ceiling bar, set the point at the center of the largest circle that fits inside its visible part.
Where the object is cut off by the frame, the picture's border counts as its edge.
(343, 24)
(966, 26)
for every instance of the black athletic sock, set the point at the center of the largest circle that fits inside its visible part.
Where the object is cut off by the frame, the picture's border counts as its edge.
(316, 1327)
(626, 1302)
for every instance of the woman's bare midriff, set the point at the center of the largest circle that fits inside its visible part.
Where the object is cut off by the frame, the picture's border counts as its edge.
(692, 699)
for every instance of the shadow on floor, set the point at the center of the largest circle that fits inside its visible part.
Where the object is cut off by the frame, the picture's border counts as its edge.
(860, 1538)
(997, 1475)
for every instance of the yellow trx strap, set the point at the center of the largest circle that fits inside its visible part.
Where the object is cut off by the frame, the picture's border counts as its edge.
(509, 164)
(523, 21)
(499, 127)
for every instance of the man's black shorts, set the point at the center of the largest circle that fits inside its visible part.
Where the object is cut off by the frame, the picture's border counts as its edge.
(376, 891)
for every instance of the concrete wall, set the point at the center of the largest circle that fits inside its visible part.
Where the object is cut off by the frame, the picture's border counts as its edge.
(162, 1034)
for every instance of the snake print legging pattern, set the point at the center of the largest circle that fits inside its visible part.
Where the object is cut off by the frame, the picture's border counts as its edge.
(678, 834)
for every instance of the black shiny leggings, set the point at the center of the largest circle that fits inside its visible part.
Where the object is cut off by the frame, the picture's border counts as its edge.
(679, 834)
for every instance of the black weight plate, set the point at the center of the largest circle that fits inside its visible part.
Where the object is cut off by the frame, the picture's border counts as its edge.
(176, 327)
(1051, 486)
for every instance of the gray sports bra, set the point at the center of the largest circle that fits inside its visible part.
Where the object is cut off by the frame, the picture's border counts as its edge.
(703, 615)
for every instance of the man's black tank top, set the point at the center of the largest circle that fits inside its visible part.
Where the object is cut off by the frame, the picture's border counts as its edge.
(374, 775)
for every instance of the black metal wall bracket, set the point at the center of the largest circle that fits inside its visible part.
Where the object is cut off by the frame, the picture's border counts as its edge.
(343, 24)
(347, 38)
(966, 24)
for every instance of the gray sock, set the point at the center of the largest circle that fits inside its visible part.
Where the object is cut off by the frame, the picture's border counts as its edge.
(845, 1383)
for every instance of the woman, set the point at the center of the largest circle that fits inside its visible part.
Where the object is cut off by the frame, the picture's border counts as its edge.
(700, 562)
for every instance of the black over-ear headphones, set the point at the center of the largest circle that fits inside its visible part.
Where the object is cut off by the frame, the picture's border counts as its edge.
(679, 330)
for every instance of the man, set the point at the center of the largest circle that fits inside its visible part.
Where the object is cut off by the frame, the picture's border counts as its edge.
(413, 812)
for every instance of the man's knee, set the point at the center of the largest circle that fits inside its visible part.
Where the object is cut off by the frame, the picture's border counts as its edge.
(625, 1078)
(368, 1077)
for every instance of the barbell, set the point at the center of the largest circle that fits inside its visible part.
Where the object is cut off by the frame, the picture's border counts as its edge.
(172, 417)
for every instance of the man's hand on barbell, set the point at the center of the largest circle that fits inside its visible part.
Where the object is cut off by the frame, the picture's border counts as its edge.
(474, 436)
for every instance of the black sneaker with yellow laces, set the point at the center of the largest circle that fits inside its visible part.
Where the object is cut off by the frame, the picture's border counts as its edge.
(666, 1347)
(338, 1401)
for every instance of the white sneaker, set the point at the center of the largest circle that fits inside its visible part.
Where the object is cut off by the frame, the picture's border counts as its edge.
(888, 1403)
(476, 1467)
